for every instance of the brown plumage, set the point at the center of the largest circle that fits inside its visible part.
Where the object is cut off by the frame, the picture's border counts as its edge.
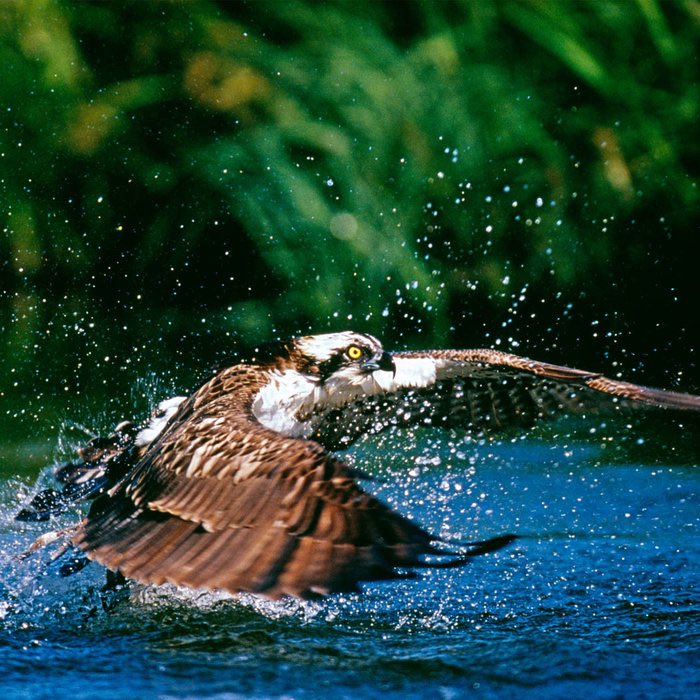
(236, 489)
(222, 502)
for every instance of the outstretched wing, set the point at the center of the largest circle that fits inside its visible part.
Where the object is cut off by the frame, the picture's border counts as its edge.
(483, 391)
(219, 502)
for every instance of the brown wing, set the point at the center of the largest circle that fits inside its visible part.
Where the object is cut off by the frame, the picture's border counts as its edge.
(220, 502)
(102, 460)
(486, 390)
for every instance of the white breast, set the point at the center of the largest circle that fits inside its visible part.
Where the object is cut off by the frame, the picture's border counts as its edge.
(293, 404)
(280, 403)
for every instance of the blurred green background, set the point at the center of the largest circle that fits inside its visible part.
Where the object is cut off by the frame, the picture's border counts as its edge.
(180, 181)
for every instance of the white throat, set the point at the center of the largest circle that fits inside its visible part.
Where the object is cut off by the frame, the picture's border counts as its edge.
(293, 404)
(282, 400)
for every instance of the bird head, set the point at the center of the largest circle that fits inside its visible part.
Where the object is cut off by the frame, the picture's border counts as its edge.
(341, 357)
(316, 373)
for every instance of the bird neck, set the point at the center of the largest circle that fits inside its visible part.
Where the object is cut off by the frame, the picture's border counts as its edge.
(285, 402)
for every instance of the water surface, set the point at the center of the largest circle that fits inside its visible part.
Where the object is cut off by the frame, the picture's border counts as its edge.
(598, 598)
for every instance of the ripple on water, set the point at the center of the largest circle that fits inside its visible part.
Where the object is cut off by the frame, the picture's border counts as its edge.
(598, 598)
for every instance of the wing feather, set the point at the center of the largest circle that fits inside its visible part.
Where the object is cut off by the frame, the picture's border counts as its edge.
(484, 391)
(229, 504)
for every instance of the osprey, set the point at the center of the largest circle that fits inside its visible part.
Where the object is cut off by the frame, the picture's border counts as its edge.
(238, 487)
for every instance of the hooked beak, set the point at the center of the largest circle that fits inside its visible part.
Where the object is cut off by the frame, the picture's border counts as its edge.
(385, 362)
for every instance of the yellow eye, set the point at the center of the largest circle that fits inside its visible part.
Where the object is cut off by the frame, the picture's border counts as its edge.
(354, 352)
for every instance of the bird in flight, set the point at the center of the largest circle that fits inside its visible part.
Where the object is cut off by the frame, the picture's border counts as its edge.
(239, 486)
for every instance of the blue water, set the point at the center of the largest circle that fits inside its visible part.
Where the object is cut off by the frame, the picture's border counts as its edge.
(599, 598)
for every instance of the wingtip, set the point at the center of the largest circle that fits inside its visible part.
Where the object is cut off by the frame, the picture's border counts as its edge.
(493, 544)
(473, 549)
(645, 395)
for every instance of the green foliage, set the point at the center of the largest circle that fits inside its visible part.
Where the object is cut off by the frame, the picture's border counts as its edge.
(272, 167)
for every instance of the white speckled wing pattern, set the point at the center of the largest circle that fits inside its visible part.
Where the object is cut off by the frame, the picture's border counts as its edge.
(484, 391)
